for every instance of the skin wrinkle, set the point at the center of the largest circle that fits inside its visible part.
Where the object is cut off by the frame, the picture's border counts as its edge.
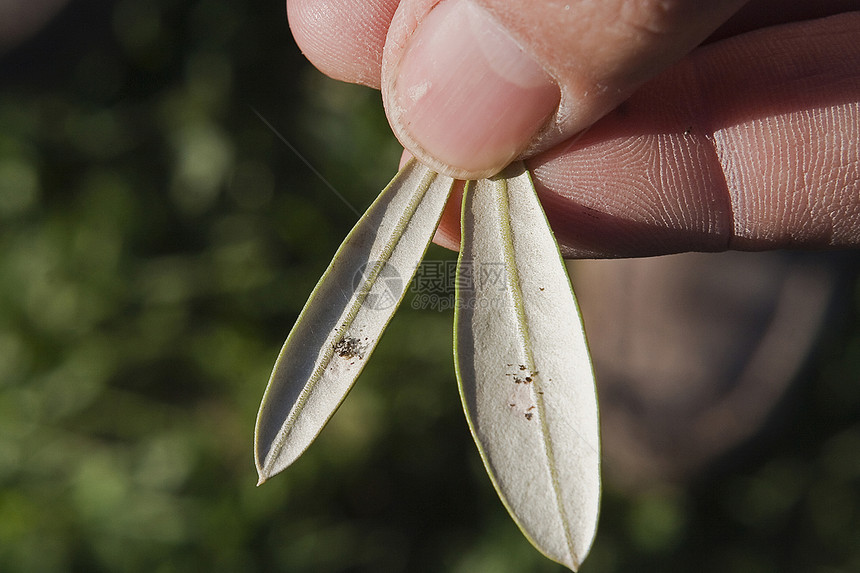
(833, 202)
(673, 211)
(706, 153)
(664, 211)
(793, 209)
(646, 160)
(649, 194)
(731, 181)
(752, 153)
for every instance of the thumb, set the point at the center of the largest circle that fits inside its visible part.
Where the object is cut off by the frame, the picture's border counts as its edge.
(470, 85)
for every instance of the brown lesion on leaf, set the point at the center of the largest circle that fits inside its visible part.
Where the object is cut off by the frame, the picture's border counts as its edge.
(519, 378)
(528, 383)
(349, 347)
(528, 413)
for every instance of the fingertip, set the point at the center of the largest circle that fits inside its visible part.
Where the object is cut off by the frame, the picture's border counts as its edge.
(463, 96)
(343, 38)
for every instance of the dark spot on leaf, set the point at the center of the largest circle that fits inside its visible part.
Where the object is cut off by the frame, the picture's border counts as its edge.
(348, 347)
(528, 415)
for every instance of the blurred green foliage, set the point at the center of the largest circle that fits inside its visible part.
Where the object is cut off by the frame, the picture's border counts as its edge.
(157, 241)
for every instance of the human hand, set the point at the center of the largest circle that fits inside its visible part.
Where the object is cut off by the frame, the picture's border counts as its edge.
(749, 142)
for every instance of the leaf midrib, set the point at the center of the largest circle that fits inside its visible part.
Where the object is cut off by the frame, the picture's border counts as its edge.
(501, 187)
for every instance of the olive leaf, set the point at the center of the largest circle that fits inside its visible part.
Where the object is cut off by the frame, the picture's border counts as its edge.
(520, 352)
(523, 367)
(346, 314)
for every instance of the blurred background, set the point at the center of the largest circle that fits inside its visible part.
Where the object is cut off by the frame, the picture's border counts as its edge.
(157, 241)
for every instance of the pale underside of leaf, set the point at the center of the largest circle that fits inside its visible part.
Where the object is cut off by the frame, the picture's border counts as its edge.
(344, 318)
(524, 370)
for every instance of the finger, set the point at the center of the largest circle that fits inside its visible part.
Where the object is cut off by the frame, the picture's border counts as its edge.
(343, 38)
(469, 85)
(749, 143)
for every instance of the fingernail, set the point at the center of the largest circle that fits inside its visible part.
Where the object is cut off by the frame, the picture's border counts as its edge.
(467, 99)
